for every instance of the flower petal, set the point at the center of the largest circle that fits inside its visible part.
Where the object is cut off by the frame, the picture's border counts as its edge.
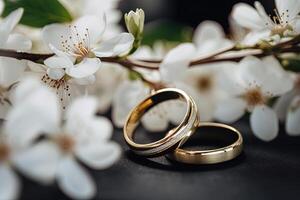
(208, 30)
(176, 62)
(8, 24)
(156, 119)
(127, 95)
(58, 62)
(246, 16)
(18, 42)
(267, 74)
(4, 108)
(262, 13)
(115, 46)
(99, 155)
(35, 67)
(282, 104)
(293, 118)
(95, 25)
(75, 109)
(52, 35)
(55, 74)
(264, 123)
(74, 180)
(11, 70)
(230, 110)
(290, 8)
(41, 106)
(25, 88)
(39, 162)
(9, 183)
(85, 68)
(89, 80)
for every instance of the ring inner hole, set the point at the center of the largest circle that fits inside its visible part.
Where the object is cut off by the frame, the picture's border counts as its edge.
(157, 113)
(209, 138)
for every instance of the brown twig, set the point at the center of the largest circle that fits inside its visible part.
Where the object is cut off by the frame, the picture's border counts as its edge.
(289, 46)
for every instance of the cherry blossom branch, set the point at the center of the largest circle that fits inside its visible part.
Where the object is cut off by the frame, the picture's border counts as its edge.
(285, 47)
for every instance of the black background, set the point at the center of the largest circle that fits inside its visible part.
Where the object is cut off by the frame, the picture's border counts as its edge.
(188, 12)
(264, 171)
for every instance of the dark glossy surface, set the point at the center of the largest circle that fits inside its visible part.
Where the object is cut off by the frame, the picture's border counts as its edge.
(263, 171)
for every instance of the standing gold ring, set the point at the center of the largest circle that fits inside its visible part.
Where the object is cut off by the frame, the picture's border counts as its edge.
(211, 156)
(175, 136)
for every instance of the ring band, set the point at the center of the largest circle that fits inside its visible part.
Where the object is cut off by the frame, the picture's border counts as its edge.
(210, 156)
(175, 136)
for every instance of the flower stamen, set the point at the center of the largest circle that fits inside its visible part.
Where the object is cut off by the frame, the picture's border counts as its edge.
(205, 83)
(65, 142)
(254, 96)
(4, 152)
(61, 86)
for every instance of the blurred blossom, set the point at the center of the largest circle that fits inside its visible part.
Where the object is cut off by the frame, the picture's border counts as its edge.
(11, 71)
(251, 84)
(66, 88)
(108, 79)
(10, 40)
(209, 37)
(287, 108)
(83, 135)
(80, 8)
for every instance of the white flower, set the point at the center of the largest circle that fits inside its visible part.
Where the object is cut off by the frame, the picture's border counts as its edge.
(76, 45)
(9, 40)
(79, 8)
(209, 37)
(11, 70)
(66, 88)
(202, 81)
(287, 108)
(82, 136)
(251, 84)
(176, 62)
(204, 86)
(9, 182)
(126, 97)
(108, 78)
(284, 23)
(15, 141)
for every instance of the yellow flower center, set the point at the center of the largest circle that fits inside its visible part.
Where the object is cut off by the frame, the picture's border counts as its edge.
(254, 96)
(65, 142)
(76, 44)
(205, 83)
(4, 152)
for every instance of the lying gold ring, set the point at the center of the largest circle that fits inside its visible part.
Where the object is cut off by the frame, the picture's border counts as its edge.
(174, 136)
(211, 156)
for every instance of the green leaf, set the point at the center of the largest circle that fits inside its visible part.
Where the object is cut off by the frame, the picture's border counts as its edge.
(166, 31)
(291, 64)
(38, 13)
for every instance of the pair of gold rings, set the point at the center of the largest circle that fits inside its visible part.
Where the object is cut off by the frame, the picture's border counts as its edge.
(172, 143)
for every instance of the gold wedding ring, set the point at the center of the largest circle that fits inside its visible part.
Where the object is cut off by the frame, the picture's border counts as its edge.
(211, 156)
(175, 136)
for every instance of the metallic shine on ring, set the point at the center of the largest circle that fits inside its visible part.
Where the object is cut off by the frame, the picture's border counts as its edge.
(211, 156)
(175, 136)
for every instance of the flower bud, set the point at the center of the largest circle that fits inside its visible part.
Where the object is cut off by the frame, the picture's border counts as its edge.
(135, 22)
